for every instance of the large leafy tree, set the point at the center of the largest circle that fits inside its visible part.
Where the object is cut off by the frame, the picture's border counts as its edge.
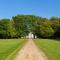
(56, 26)
(20, 25)
(43, 28)
(4, 28)
(7, 29)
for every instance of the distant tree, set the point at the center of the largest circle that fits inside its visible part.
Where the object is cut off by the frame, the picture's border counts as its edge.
(56, 26)
(4, 28)
(43, 29)
(11, 30)
(20, 25)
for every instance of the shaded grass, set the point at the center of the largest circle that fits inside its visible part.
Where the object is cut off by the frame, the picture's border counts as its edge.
(50, 47)
(8, 46)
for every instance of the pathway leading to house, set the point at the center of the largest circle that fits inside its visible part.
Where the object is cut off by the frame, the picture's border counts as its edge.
(30, 52)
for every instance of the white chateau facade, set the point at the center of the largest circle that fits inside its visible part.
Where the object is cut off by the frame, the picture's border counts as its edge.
(30, 35)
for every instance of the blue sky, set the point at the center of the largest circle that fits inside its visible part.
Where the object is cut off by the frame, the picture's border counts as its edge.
(44, 8)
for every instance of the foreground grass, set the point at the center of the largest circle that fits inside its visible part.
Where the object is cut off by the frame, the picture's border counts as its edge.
(8, 46)
(50, 47)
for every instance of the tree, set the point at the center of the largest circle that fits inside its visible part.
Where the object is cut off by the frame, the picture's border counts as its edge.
(4, 28)
(20, 25)
(56, 26)
(43, 29)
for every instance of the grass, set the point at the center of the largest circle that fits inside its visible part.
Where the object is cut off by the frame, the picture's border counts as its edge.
(50, 47)
(8, 47)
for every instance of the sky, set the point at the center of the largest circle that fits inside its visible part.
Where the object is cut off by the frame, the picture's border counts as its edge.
(43, 8)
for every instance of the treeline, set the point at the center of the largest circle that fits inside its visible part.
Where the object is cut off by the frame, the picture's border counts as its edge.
(20, 25)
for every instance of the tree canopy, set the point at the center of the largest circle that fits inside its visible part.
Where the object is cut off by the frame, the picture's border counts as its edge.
(20, 26)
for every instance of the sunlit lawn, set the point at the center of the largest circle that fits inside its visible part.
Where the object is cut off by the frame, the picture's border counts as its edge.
(50, 47)
(8, 46)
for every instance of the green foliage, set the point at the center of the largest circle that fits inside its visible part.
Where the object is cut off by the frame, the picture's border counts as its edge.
(7, 29)
(4, 28)
(43, 29)
(55, 24)
(20, 26)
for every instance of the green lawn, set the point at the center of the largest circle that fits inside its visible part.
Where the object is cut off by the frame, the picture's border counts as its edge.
(9, 47)
(50, 47)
